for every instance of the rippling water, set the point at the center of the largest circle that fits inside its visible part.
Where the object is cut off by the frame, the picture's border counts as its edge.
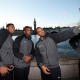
(66, 51)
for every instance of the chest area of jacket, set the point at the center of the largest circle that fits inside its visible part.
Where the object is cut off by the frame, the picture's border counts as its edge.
(26, 44)
(47, 44)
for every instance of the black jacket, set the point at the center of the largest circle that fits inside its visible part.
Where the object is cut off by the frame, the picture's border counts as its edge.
(22, 47)
(16, 47)
(3, 36)
(6, 44)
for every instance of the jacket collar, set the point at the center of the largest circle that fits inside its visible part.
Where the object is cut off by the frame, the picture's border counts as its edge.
(29, 38)
(43, 37)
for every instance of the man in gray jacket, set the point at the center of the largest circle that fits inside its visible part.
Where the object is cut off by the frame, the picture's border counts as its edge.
(23, 51)
(47, 54)
(6, 52)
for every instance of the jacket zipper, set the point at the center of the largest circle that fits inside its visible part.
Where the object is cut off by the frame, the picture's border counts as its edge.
(47, 55)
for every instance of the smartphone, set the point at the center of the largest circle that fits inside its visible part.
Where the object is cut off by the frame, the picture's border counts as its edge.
(48, 71)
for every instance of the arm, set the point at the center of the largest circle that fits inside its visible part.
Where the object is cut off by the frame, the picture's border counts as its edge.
(40, 62)
(38, 57)
(16, 47)
(1, 63)
(3, 37)
(3, 69)
(59, 37)
(32, 51)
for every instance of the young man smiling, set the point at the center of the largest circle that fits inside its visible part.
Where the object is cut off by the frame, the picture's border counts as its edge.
(47, 53)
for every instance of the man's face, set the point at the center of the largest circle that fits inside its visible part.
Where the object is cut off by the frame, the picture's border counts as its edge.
(11, 29)
(27, 32)
(41, 32)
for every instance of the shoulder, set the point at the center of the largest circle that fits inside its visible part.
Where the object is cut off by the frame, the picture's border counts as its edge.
(37, 44)
(3, 32)
(19, 37)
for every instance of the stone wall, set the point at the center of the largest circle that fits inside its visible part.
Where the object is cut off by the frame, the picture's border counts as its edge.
(69, 69)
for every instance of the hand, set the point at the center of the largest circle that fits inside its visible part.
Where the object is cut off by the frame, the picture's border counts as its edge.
(27, 59)
(45, 70)
(3, 70)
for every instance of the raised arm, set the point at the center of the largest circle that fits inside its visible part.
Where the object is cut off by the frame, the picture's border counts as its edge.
(62, 36)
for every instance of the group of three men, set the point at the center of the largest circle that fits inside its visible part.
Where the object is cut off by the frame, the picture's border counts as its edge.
(16, 56)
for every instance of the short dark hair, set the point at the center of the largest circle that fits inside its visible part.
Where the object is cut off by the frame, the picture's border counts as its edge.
(9, 24)
(26, 27)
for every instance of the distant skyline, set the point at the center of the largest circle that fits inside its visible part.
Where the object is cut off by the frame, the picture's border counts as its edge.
(46, 12)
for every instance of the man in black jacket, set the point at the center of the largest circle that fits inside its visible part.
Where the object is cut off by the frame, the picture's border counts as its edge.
(23, 51)
(6, 52)
(47, 54)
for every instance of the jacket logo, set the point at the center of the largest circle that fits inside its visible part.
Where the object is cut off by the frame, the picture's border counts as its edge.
(39, 46)
(24, 41)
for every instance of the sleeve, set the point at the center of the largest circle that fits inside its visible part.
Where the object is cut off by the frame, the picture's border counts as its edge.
(0, 40)
(16, 47)
(32, 51)
(62, 36)
(38, 57)
(1, 63)
(3, 37)
(74, 42)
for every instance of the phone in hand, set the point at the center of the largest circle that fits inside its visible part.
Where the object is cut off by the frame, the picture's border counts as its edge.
(48, 70)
